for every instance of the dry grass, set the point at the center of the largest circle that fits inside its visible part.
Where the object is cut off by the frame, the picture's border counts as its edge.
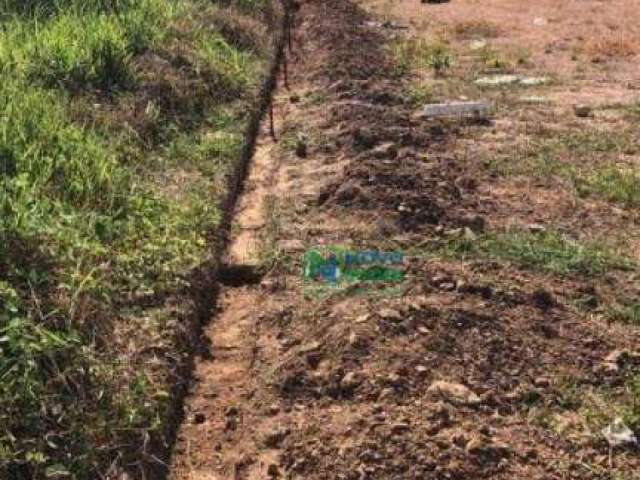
(612, 45)
(244, 32)
(476, 29)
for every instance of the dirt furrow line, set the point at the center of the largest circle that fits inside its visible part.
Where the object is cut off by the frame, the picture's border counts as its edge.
(224, 427)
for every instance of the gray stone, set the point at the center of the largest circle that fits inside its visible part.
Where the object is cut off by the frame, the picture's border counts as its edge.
(457, 109)
(497, 80)
(533, 81)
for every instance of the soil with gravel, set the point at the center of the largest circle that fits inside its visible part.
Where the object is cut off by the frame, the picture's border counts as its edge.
(444, 376)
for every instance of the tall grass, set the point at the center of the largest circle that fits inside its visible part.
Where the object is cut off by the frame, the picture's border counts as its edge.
(95, 230)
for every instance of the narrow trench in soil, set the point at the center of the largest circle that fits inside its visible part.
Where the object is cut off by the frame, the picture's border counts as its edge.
(218, 439)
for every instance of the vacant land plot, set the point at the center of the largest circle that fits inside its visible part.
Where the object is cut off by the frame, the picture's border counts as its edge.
(509, 349)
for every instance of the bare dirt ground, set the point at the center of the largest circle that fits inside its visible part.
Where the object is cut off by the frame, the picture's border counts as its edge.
(511, 342)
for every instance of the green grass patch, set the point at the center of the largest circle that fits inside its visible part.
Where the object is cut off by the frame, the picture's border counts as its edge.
(589, 160)
(420, 94)
(625, 313)
(102, 226)
(548, 252)
(417, 54)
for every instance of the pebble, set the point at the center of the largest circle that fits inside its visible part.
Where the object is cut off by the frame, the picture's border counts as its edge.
(385, 150)
(350, 381)
(455, 393)
(273, 470)
(199, 418)
(542, 382)
(399, 428)
(390, 314)
(582, 111)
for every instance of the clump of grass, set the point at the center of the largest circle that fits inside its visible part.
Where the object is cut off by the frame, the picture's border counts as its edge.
(416, 54)
(617, 45)
(439, 58)
(493, 60)
(625, 313)
(545, 251)
(420, 94)
(80, 50)
(614, 183)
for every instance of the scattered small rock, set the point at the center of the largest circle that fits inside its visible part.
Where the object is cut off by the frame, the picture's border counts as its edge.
(390, 314)
(274, 439)
(476, 223)
(273, 409)
(542, 382)
(536, 228)
(310, 347)
(508, 79)
(480, 446)
(582, 111)
(618, 434)
(468, 234)
(534, 99)
(400, 428)
(273, 471)
(385, 150)
(199, 418)
(350, 381)
(533, 81)
(457, 109)
(455, 393)
(301, 147)
(497, 80)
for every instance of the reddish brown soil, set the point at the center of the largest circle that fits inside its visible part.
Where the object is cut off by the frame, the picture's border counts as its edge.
(307, 386)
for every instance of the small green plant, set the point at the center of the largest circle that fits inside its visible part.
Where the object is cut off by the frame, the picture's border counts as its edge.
(439, 58)
(551, 154)
(612, 182)
(420, 94)
(493, 60)
(413, 54)
(632, 411)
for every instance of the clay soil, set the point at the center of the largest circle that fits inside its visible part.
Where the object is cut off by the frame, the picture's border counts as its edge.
(477, 365)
